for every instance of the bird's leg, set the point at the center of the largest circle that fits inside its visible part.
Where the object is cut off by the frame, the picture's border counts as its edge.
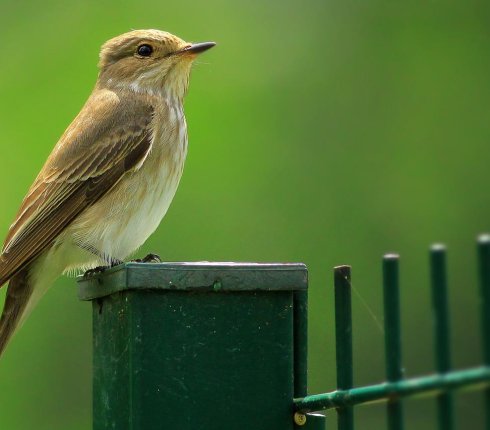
(150, 258)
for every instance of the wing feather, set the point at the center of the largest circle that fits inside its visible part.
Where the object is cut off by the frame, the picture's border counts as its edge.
(105, 141)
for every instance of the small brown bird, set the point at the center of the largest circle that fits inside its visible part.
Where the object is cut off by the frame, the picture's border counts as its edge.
(112, 175)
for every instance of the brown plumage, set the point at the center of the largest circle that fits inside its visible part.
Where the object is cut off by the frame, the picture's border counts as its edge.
(111, 176)
(77, 177)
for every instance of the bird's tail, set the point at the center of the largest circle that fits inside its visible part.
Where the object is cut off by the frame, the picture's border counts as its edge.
(24, 291)
(19, 293)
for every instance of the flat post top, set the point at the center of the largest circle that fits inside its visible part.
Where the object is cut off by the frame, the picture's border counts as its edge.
(195, 276)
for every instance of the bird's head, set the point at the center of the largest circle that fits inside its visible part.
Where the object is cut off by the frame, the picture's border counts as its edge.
(149, 61)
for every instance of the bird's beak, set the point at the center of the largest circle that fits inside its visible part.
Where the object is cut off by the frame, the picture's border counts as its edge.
(197, 48)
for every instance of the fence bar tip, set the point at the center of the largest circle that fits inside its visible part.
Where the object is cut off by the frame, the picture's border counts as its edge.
(438, 247)
(484, 239)
(343, 270)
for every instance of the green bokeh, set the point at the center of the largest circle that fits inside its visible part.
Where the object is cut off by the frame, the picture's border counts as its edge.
(327, 132)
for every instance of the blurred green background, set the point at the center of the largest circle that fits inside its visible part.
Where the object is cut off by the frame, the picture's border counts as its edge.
(328, 132)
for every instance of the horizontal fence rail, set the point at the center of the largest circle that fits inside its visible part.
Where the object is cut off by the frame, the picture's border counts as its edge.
(392, 391)
(441, 384)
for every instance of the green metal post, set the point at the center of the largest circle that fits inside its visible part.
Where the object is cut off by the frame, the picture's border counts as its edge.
(198, 346)
(394, 370)
(343, 341)
(441, 331)
(484, 266)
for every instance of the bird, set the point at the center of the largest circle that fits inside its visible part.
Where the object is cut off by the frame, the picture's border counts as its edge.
(110, 178)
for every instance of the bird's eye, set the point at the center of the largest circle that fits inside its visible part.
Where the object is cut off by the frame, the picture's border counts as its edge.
(144, 50)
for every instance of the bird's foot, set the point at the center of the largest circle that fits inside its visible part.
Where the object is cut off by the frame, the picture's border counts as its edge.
(101, 269)
(95, 271)
(150, 258)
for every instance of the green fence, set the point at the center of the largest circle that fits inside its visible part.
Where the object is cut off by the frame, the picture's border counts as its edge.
(218, 346)
(441, 384)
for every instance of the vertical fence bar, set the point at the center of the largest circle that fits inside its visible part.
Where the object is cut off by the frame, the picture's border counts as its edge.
(343, 336)
(484, 263)
(394, 371)
(441, 331)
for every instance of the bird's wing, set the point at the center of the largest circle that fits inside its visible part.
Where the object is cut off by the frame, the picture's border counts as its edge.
(104, 142)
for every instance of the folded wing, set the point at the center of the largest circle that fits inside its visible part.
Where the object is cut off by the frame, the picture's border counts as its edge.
(107, 140)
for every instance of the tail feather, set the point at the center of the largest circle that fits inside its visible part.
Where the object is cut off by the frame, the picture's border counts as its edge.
(19, 293)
